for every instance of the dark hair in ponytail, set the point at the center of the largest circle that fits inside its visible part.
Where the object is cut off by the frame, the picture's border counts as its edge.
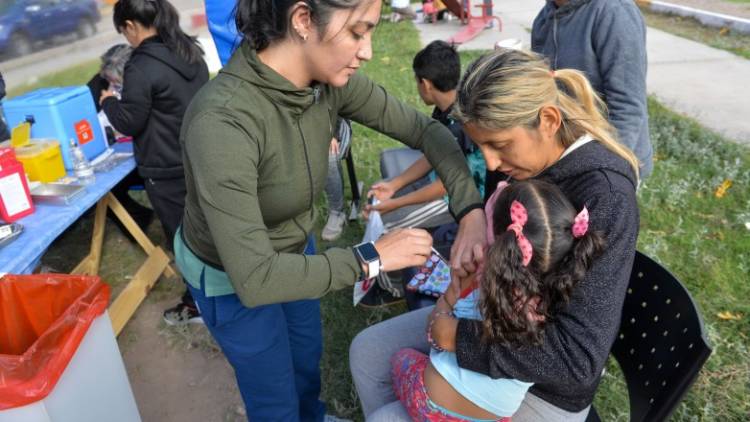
(159, 14)
(265, 21)
(559, 261)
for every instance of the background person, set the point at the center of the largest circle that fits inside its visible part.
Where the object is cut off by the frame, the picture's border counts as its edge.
(531, 123)
(163, 74)
(110, 74)
(606, 40)
(256, 141)
(417, 197)
(334, 188)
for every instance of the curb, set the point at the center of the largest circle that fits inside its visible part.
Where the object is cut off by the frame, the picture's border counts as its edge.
(716, 20)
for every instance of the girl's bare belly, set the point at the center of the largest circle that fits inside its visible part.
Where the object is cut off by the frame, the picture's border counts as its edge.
(446, 396)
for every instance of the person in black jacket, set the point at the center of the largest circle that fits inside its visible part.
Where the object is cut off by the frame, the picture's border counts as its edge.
(163, 74)
(110, 74)
(530, 123)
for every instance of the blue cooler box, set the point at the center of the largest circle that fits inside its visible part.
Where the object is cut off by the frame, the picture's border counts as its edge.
(63, 113)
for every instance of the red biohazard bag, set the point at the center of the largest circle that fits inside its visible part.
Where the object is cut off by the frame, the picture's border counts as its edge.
(43, 319)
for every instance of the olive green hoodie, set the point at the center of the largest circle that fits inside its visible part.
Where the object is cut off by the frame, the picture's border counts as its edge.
(256, 156)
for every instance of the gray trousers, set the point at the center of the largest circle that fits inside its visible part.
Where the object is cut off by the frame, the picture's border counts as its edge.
(335, 184)
(335, 181)
(369, 360)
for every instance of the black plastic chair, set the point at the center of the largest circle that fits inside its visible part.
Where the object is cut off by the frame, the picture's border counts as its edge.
(662, 343)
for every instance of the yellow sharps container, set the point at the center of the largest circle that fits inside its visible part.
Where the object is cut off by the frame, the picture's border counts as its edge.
(42, 160)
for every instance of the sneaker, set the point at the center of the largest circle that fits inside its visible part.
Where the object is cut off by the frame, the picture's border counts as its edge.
(334, 226)
(182, 314)
(378, 297)
(331, 418)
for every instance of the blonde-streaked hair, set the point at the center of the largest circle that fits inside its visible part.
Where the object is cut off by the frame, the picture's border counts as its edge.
(508, 88)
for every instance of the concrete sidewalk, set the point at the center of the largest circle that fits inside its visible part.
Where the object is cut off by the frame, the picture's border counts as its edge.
(707, 84)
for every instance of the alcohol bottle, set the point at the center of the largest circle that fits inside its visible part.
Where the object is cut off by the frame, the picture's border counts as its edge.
(82, 168)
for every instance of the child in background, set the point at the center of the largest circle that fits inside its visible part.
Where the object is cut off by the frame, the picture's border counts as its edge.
(437, 69)
(540, 248)
(109, 76)
(416, 197)
(401, 10)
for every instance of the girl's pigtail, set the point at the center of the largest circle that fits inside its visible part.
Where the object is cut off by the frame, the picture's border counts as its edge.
(504, 277)
(573, 268)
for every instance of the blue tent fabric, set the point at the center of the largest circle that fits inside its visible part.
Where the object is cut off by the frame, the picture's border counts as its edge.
(220, 16)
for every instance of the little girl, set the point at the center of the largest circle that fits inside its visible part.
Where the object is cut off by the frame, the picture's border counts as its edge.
(540, 248)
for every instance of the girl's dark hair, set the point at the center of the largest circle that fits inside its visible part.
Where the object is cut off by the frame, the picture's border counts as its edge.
(159, 14)
(265, 21)
(559, 261)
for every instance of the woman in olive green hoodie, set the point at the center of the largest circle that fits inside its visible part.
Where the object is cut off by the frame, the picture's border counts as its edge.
(255, 145)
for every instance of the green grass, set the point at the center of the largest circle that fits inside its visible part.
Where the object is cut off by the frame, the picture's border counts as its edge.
(687, 27)
(702, 239)
(76, 75)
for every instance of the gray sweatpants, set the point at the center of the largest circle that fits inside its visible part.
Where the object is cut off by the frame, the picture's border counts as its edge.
(369, 360)
(335, 180)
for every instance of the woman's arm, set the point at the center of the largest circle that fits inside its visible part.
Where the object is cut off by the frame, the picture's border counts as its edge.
(130, 113)
(225, 180)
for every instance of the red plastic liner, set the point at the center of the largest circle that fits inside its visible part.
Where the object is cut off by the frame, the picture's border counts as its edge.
(43, 318)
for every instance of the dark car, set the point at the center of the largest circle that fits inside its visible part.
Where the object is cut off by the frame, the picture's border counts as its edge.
(27, 23)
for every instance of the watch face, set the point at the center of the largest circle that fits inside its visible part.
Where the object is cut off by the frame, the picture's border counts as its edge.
(368, 252)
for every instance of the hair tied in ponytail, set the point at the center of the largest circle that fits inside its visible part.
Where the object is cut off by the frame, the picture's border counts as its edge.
(519, 216)
(581, 223)
(489, 211)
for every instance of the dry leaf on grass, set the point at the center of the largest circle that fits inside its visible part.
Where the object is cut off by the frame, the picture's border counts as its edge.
(729, 316)
(722, 189)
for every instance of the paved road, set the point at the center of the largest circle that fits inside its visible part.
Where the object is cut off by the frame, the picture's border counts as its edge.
(707, 84)
(28, 69)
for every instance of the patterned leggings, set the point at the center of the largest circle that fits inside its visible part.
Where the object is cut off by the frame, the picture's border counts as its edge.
(407, 370)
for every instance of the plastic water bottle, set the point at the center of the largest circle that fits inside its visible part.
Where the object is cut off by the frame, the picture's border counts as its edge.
(83, 170)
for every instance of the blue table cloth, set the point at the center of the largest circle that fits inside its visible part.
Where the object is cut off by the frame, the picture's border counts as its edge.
(48, 221)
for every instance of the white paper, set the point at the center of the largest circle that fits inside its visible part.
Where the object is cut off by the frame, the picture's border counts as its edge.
(13, 194)
(373, 231)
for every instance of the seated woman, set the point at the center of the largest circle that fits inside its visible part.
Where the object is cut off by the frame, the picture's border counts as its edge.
(540, 249)
(531, 123)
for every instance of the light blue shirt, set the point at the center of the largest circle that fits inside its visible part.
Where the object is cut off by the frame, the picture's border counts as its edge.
(502, 396)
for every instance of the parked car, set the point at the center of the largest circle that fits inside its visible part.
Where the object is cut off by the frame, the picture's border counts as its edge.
(26, 23)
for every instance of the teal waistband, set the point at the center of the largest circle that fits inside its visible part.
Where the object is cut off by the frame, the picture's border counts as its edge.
(440, 408)
(216, 282)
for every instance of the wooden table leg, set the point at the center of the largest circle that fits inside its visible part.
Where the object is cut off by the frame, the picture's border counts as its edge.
(90, 264)
(135, 230)
(158, 262)
(129, 299)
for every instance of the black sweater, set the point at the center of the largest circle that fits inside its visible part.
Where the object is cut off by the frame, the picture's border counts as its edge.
(567, 367)
(157, 88)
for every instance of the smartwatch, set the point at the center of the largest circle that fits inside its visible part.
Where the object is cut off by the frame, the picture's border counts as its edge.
(368, 256)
